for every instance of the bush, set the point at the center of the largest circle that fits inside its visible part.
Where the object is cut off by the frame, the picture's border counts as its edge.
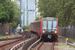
(26, 27)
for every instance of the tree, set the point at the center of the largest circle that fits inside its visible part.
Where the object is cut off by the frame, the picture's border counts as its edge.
(65, 15)
(17, 17)
(9, 12)
(2, 12)
(26, 27)
(64, 10)
(46, 7)
(38, 18)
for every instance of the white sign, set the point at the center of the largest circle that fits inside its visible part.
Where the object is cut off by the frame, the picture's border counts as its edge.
(6, 32)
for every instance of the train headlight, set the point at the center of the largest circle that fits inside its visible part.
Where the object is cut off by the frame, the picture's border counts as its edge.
(55, 32)
(43, 31)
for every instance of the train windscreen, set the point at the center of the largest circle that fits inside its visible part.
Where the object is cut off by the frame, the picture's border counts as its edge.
(44, 24)
(49, 24)
(54, 24)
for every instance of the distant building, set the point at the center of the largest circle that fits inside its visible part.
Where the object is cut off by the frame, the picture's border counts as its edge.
(28, 8)
(12, 0)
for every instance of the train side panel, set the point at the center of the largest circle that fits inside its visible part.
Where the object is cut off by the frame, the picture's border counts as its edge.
(41, 27)
(57, 29)
(36, 27)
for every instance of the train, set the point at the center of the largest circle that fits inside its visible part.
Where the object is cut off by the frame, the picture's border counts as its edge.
(46, 27)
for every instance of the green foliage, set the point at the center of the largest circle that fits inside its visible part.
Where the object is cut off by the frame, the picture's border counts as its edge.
(26, 27)
(64, 10)
(0, 35)
(4, 37)
(38, 18)
(9, 12)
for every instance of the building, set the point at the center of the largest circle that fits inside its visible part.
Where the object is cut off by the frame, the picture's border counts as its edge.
(28, 8)
(12, 0)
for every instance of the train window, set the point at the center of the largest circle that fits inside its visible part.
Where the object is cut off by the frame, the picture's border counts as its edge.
(54, 24)
(37, 26)
(31, 26)
(49, 24)
(44, 24)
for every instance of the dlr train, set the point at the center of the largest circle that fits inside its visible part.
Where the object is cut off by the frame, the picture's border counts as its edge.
(46, 27)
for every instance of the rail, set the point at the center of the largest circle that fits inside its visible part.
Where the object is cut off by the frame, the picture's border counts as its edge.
(34, 44)
(28, 43)
(40, 46)
(19, 45)
(52, 48)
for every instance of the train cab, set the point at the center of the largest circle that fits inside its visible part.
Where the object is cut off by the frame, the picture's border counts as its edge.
(50, 27)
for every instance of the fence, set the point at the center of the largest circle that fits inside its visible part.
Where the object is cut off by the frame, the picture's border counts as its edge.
(4, 28)
(70, 33)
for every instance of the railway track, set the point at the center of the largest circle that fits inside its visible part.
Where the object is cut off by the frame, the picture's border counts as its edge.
(15, 41)
(7, 41)
(45, 46)
(42, 45)
(11, 44)
(5, 44)
(60, 44)
(11, 38)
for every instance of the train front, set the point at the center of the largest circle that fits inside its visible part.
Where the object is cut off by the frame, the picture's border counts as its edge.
(50, 28)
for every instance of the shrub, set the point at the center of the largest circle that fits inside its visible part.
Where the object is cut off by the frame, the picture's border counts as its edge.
(26, 27)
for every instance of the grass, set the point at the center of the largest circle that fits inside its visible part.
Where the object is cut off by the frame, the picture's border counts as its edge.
(64, 46)
(0, 23)
(4, 37)
(70, 39)
(28, 30)
(0, 35)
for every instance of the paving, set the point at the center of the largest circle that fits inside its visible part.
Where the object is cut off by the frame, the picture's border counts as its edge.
(61, 45)
(46, 46)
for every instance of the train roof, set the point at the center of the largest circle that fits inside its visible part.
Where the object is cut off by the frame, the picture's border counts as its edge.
(36, 21)
(47, 18)
(50, 18)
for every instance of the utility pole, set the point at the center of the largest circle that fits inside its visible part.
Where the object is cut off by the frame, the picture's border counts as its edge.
(27, 12)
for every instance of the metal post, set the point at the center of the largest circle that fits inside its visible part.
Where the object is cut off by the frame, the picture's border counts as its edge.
(66, 40)
(27, 12)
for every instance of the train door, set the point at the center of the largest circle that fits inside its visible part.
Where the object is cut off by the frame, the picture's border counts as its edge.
(49, 28)
(52, 26)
